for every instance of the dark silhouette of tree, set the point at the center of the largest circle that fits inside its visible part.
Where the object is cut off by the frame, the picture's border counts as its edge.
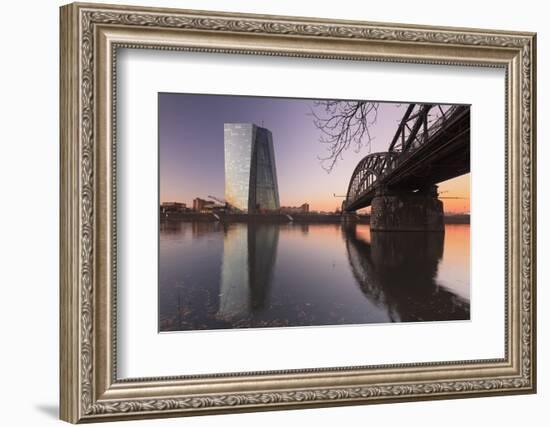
(343, 124)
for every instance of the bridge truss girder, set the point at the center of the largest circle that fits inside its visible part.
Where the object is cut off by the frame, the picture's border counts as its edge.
(414, 138)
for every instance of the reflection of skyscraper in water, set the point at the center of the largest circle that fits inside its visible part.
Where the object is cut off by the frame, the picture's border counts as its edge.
(249, 253)
(250, 172)
(234, 288)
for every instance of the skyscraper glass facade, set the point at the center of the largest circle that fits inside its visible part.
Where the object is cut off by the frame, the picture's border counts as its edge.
(250, 172)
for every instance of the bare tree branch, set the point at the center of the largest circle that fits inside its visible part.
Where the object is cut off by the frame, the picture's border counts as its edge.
(343, 124)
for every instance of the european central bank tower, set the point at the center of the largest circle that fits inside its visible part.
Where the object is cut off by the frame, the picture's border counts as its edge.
(250, 173)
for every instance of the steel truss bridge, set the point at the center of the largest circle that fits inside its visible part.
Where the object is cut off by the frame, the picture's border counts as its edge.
(421, 154)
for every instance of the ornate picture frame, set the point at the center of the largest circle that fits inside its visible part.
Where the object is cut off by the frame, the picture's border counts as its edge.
(90, 37)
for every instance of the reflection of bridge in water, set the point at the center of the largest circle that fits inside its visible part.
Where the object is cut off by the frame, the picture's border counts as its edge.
(273, 275)
(400, 184)
(395, 271)
(398, 271)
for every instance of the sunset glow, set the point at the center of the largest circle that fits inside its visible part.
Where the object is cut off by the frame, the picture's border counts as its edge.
(191, 151)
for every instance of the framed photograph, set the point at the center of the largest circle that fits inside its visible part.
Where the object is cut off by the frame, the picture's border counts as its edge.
(266, 212)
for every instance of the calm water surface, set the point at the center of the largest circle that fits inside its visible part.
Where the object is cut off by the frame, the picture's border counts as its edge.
(216, 276)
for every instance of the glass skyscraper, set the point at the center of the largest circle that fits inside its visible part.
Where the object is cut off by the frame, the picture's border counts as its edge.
(250, 173)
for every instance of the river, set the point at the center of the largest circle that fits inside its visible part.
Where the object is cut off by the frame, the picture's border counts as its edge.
(216, 276)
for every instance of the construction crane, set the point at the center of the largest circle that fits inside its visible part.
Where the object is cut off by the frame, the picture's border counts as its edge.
(226, 205)
(217, 200)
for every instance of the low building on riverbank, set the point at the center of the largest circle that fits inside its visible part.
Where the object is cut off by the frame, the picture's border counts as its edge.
(302, 209)
(203, 206)
(173, 208)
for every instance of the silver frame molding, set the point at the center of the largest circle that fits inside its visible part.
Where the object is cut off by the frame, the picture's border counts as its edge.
(90, 36)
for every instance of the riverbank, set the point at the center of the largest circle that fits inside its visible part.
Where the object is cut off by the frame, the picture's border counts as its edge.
(277, 218)
(271, 218)
(456, 219)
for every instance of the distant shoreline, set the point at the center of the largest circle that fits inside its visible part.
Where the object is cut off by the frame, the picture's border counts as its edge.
(279, 218)
(456, 219)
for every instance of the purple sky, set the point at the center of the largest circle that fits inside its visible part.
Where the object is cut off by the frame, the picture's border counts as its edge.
(191, 146)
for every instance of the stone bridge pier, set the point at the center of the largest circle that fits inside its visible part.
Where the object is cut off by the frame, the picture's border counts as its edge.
(402, 210)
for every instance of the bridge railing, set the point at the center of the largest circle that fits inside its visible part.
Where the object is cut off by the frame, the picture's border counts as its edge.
(435, 126)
